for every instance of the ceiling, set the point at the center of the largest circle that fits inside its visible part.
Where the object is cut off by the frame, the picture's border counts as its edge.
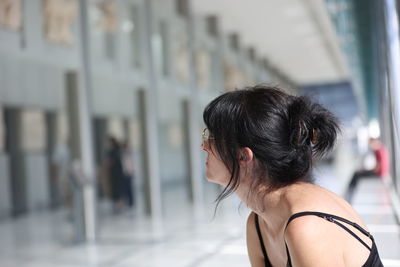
(296, 36)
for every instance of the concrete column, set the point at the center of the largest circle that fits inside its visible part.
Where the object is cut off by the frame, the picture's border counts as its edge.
(51, 142)
(215, 31)
(82, 154)
(100, 139)
(193, 150)
(126, 130)
(5, 180)
(79, 88)
(148, 100)
(193, 121)
(16, 160)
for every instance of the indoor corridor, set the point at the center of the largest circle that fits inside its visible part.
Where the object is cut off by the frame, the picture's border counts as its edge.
(104, 138)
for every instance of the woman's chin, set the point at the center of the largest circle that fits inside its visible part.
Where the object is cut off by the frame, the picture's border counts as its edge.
(215, 180)
(210, 178)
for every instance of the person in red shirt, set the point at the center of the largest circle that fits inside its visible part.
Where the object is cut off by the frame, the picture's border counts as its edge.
(381, 169)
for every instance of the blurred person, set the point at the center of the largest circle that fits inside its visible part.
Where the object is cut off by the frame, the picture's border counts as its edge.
(381, 169)
(115, 172)
(261, 144)
(129, 172)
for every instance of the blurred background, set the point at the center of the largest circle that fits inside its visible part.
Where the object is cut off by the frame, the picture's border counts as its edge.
(101, 119)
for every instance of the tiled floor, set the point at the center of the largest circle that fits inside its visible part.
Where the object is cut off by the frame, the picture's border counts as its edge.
(183, 239)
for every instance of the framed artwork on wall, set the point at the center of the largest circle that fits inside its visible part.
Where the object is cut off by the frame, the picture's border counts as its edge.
(58, 19)
(10, 15)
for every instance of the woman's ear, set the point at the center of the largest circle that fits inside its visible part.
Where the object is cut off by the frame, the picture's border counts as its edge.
(245, 156)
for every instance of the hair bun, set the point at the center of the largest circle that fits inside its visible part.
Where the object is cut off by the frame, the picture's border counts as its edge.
(325, 129)
(314, 136)
(299, 122)
(311, 124)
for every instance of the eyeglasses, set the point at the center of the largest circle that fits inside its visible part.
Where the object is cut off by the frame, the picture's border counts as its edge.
(206, 136)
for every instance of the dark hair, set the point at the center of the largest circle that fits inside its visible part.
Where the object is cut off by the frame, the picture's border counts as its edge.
(284, 132)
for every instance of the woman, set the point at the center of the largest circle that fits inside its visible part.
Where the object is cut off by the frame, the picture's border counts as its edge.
(260, 144)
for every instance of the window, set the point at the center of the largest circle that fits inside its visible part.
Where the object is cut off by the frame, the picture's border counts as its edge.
(161, 48)
(203, 69)
(33, 130)
(132, 27)
(181, 58)
(108, 23)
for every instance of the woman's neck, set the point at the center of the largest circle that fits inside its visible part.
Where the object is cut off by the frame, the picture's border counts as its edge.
(274, 207)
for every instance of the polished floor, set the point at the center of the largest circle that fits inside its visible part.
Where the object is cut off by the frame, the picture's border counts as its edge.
(185, 238)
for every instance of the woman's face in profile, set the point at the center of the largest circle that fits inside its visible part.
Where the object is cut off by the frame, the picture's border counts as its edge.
(216, 170)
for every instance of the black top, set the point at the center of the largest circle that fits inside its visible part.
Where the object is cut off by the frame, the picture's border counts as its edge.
(373, 259)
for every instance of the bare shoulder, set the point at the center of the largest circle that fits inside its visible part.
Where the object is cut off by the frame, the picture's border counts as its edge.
(305, 228)
(309, 237)
(320, 199)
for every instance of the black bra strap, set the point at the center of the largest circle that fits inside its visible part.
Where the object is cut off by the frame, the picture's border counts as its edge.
(264, 251)
(352, 233)
(289, 260)
(335, 219)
